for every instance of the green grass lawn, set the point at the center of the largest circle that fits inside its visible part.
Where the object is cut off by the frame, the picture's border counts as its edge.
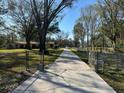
(11, 50)
(113, 76)
(13, 65)
(82, 54)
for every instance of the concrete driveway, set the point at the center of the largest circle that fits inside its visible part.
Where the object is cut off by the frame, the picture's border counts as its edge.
(67, 75)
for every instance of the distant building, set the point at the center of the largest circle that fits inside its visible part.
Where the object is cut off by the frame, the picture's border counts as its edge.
(50, 44)
(22, 44)
(120, 36)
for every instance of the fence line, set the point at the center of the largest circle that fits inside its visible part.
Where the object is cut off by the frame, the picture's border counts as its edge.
(9, 82)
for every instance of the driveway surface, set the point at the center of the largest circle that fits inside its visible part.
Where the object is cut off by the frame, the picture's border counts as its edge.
(67, 75)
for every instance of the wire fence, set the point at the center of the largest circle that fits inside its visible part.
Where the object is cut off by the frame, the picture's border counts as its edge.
(99, 61)
(15, 68)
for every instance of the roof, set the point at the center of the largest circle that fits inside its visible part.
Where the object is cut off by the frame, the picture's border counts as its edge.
(50, 42)
(23, 42)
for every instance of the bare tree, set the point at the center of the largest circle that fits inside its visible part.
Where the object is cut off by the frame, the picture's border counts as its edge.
(23, 20)
(61, 38)
(45, 11)
(89, 20)
(111, 14)
(79, 33)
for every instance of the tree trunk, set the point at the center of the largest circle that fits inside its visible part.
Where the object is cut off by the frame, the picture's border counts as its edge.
(42, 47)
(28, 45)
(42, 34)
(27, 61)
(41, 42)
(114, 41)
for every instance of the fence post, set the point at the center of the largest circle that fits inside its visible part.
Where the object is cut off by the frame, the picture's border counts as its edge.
(41, 65)
(96, 62)
(27, 60)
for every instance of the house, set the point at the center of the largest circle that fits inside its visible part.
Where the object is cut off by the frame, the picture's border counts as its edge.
(120, 36)
(50, 44)
(22, 44)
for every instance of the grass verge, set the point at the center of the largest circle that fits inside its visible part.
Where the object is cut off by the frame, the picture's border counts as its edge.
(82, 54)
(113, 76)
(12, 66)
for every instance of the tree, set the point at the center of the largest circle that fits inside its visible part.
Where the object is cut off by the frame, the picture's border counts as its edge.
(44, 16)
(54, 28)
(3, 9)
(89, 20)
(111, 15)
(23, 20)
(62, 39)
(79, 34)
(2, 40)
(45, 11)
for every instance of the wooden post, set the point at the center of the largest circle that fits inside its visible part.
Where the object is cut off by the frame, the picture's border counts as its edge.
(43, 60)
(27, 60)
(41, 65)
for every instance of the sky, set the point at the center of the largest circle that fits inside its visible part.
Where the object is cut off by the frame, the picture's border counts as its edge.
(72, 14)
